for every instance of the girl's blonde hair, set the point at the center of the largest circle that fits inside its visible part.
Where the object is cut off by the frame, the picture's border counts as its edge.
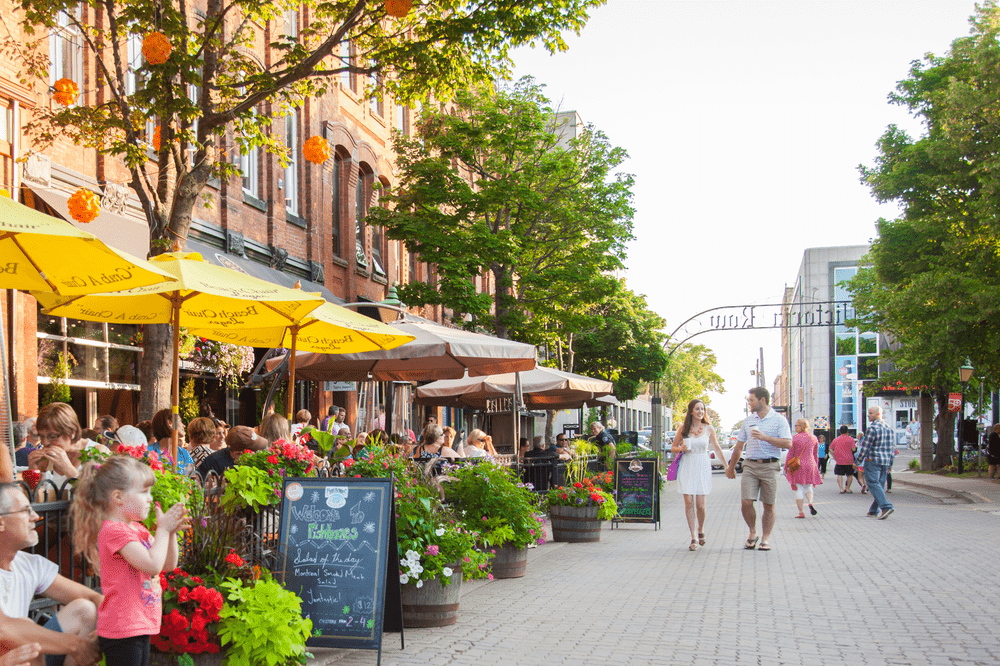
(93, 492)
(804, 423)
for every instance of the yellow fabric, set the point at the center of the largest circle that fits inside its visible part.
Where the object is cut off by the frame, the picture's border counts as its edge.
(329, 329)
(35, 246)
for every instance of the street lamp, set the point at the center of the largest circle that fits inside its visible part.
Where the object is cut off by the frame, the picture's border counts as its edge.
(964, 375)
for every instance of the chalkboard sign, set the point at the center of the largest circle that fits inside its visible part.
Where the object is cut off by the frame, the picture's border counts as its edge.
(338, 540)
(636, 491)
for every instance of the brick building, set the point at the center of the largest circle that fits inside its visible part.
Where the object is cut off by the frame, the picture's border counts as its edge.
(299, 222)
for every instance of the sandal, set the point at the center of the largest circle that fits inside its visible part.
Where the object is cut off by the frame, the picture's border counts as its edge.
(813, 510)
(801, 515)
(751, 543)
(694, 545)
(701, 538)
(764, 546)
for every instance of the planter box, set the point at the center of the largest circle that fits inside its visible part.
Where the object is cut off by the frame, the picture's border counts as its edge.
(575, 524)
(433, 605)
(509, 562)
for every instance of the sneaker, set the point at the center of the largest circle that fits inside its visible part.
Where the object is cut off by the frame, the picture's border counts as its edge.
(885, 514)
(812, 510)
(871, 515)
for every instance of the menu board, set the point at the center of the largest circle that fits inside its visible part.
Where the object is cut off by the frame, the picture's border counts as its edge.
(337, 541)
(637, 491)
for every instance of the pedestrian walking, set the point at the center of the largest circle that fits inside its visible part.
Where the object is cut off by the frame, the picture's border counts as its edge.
(843, 447)
(993, 450)
(694, 470)
(822, 453)
(805, 475)
(764, 433)
(875, 454)
(111, 500)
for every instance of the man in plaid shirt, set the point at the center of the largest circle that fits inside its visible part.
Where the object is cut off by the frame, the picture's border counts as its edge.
(876, 451)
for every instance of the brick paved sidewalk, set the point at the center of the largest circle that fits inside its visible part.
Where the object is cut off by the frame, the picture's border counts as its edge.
(837, 588)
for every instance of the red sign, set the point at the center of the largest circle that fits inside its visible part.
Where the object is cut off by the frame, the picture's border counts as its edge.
(954, 402)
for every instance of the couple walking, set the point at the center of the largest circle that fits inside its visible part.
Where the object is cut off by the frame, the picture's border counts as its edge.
(764, 433)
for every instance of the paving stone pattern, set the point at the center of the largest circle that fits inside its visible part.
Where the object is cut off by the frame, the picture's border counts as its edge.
(837, 588)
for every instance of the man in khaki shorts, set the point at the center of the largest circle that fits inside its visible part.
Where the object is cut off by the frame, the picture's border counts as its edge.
(764, 433)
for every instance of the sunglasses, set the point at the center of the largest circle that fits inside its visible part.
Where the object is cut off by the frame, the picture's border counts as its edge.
(49, 436)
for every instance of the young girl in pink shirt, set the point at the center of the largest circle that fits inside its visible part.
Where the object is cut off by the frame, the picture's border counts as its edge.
(111, 500)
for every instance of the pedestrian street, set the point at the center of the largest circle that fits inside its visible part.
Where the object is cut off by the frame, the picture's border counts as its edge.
(837, 588)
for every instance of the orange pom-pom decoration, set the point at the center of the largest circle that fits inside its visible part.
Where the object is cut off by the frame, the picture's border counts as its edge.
(156, 139)
(84, 205)
(398, 8)
(66, 91)
(316, 149)
(156, 48)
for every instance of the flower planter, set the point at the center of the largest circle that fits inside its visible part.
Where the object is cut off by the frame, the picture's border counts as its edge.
(203, 659)
(433, 605)
(575, 524)
(509, 562)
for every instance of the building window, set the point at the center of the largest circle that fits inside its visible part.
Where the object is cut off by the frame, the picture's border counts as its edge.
(338, 164)
(361, 190)
(377, 239)
(403, 119)
(250, 168)
(347, 78)
(292, 170)
(88, 354)
(377, 103)
(66, 49)
(412, 269)
(291, 27)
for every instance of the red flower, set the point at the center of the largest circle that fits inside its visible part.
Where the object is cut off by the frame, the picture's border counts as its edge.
(182, 594)
(234, 559)
(348, 462)
(273, 459)
(578, 485)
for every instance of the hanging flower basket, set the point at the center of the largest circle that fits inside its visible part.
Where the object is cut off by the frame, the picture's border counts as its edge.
(398, 8)
(156, 139)
(156, 48)
(84, 206)
(316, 149)
(66, 91)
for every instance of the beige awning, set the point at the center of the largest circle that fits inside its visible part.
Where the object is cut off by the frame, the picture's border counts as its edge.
(122, 232)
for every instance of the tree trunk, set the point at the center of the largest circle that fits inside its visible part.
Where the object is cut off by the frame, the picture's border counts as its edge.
(944, 423)
(926, 431)
(156, 369)
(550, 417)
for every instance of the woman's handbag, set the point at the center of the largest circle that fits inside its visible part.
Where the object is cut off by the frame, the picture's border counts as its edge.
(792, 464)
(672, 470)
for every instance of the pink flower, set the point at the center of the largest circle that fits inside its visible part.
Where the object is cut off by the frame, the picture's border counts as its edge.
(433, 550)
(490, 576)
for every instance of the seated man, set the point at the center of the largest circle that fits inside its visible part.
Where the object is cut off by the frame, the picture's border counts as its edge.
(539, 451)
(69, 637)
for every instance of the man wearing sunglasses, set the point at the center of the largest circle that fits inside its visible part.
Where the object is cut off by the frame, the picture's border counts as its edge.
(69, 637)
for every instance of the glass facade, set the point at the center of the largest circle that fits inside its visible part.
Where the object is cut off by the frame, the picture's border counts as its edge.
(855, 360)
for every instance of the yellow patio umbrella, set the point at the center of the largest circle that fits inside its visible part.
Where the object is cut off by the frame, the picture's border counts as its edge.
(39, 252)
(329, 329)
(205, 296)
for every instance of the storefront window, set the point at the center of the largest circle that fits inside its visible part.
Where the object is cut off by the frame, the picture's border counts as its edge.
(88, 354)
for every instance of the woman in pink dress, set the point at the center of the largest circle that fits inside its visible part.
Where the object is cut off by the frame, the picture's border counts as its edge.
(806, 449)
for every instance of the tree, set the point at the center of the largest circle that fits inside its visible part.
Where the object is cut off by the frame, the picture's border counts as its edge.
(490, 188)
(689, 374)
(218, 78)
(623, 344)
(933, 280)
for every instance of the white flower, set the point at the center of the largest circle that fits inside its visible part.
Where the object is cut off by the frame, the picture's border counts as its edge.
(420, 583)
(412, 555)
(447, 571)
(403, 579)
(439, 531)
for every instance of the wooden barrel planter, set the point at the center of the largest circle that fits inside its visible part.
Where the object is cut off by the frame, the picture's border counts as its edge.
(575, 524)
(509, 562)
(433, 604)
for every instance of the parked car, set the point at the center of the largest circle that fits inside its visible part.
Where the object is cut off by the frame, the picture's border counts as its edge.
(668, 439)
(728, 453)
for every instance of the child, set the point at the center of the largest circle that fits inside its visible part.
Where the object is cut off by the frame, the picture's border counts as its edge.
(111, 499)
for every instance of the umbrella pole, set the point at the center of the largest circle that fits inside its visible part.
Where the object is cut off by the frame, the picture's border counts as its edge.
(175, 381)
(290, 403)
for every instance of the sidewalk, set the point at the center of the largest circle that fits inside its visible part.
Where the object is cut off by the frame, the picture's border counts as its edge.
(838, 587)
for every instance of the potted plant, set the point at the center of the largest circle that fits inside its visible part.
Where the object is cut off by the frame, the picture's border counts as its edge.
(493, 501)
(261, 623)
(577, 509)
(255, 481)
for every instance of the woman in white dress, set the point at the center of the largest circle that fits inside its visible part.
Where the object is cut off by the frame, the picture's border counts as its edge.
(694, 471)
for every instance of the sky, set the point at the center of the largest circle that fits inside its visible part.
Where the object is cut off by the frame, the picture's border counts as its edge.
(745, 123)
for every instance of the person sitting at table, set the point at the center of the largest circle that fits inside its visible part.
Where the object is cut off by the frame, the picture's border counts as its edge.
(201, 438)
(563, 448)
(273, 427)
(69, 637)
(432, 445)
(21, 449)
(60, 434)
(302, 419)
(474, 446)
(539, 451)
(163, 431)
(523, 446)
(240, 440)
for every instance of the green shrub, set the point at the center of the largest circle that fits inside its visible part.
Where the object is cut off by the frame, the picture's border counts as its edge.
(914, 464)
(262, 625)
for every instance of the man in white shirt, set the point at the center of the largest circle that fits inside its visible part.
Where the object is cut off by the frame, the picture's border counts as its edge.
(765, 433)
(69, 637)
